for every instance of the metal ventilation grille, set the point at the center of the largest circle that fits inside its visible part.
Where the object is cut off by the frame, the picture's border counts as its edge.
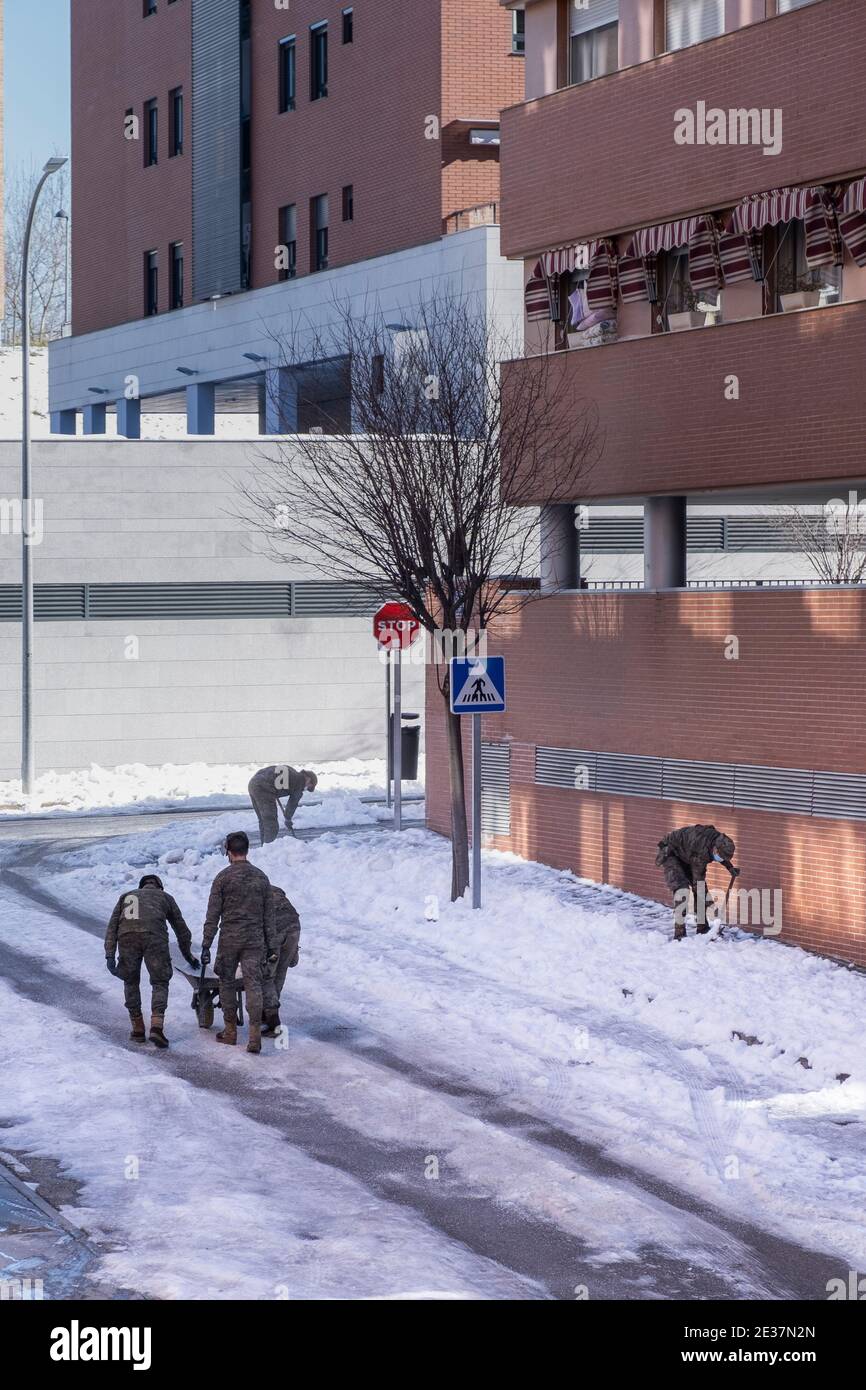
(759, 533)
(216, 148)
(613, 535)
(687, 781)
(322, 600)
(58, 603)
(495, 789)
(705, 533)
(565, 767)
(839, 795)
(10, 603)
(773, 789)
(623, 535)
(168, 601)
(628, 775)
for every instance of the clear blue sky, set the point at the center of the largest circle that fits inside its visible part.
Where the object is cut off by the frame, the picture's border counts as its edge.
(37, 80)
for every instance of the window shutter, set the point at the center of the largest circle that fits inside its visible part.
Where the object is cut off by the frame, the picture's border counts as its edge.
(692, 21)
(594, 15)
(793, 5)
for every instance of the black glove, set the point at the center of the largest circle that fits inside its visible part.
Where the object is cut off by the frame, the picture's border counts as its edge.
(272, 957)
(205, 956)
(193, 963)
(112, 965)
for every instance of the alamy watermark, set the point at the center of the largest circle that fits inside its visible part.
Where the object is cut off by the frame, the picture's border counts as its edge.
(736, 126)
(737, 907)
(27, 521)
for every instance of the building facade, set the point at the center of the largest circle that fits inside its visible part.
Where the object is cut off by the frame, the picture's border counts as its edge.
(239, 165)
(690, 213)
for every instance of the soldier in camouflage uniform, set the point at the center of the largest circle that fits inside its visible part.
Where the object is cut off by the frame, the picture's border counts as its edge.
(287, 933)
(241, 909)
(137, 931)
(269, 787)
(684, 857)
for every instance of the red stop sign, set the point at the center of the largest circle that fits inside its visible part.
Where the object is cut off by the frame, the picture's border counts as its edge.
(395, 626)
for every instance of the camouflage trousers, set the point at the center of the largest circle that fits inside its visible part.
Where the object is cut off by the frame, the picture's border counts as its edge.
(685, 891)
(249, 958)
(133, 952)
(274, 976)
(267, 814)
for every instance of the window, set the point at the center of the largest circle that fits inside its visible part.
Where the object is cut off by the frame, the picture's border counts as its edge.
(318, 61)
(175, 253)
(349, 203)
(148, 7)
(692, 21)
(151, 133)
(319, 232)
(784, 5)
(288, 232)
(518, 32)
(288, 74)
(593, 40)
(675, 293)
(348, 26)
(175, 122)
(151, 283)
(789, 272)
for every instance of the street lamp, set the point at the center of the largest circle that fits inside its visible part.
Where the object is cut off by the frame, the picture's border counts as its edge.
(27, 760)
(63, 216)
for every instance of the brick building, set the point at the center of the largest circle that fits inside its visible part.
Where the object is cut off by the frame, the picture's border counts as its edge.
(239, 163)
(684, 186)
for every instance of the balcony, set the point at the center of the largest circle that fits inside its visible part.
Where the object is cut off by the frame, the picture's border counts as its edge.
(600, 158)
(764, 403)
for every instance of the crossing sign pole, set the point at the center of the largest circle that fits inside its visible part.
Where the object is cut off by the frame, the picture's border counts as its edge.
(395, 626)
(477, 686)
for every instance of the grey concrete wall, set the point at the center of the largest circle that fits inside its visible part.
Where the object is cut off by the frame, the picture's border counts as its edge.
(265, 690)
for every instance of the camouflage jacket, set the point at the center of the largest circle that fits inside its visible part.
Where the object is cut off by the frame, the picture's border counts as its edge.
(241, 907)
(286, 920)
(694, 846)
(279, 781)
(147, 912)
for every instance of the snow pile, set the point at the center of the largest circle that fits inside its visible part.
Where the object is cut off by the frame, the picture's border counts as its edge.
(195, 786)
(569, 1002)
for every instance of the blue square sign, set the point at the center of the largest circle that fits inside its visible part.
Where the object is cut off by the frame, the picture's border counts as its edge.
(478, 685)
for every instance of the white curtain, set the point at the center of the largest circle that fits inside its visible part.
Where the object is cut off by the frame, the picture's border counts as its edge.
(692, 21)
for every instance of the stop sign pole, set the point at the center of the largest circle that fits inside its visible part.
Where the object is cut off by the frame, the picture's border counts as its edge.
(395, 627)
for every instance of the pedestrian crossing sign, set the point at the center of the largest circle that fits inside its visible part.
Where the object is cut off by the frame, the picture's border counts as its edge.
(478, 686)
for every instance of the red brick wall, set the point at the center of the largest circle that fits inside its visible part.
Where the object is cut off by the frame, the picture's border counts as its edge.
(667, 426)
(601, 157)
(406, 63)
(120, 210)
(646, 674)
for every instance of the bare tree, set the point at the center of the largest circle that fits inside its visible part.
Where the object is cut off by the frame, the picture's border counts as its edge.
(831, 537)
(403, 484)
(47, 257)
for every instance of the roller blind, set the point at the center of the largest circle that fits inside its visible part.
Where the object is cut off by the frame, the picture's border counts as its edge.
(692, 21)
(793, 5)
(592, 15)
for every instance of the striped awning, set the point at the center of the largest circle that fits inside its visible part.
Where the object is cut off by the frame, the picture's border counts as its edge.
(741, 256)
(601, 284)
(537, 294)
(814, 207)
(852, 220)
(665, 237)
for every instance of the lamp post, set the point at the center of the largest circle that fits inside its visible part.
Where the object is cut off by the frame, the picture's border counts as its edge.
(27, 760)
(63, 216)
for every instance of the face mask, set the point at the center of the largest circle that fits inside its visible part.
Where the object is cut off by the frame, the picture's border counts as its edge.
(718, 858)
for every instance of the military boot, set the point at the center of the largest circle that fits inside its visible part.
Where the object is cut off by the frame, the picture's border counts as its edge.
(272, 1024)
(679, 932)
(255, 1042)
(157, 1036)
(229, 1031)
(138, 1034)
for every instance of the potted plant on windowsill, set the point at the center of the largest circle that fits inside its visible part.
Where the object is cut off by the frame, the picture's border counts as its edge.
(692, 314)
(798, 292)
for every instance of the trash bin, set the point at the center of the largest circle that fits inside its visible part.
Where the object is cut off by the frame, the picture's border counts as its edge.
(410, 743)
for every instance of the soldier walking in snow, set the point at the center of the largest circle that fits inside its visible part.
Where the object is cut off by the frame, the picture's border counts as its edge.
(269, 787)
(138, 933)
(684, 857)
(287, 932)
(241, 909)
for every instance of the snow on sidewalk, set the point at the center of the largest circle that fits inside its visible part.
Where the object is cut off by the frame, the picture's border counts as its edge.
(196, 786)
(574, 1004)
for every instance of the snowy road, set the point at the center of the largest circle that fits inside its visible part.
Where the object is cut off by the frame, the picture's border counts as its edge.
(472, 1106)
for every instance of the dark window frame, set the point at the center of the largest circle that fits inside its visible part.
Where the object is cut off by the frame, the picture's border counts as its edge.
(151, 283)
(151, 133)
(348, 202)
(348, 18)
(518, 33)
(319, 236)
(175, 282)
(288, 73)
(319, 61)
(291, 243)
(175, 122)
